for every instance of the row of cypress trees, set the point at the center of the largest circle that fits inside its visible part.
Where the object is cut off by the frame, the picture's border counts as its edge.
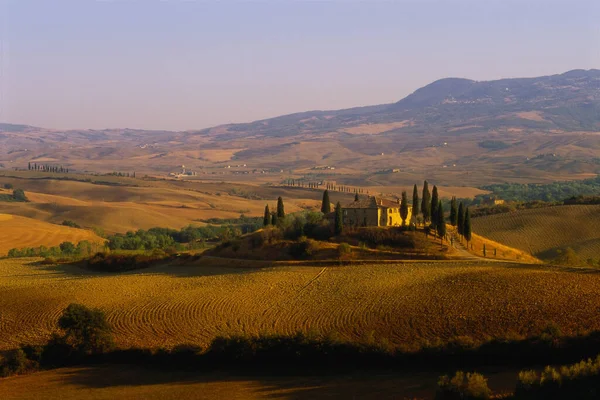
(432, 209)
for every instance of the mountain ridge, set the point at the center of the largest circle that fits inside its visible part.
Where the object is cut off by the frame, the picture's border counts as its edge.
(514, 129)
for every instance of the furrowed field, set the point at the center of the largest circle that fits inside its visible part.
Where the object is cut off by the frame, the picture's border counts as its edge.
(405, 303)
(542, 231)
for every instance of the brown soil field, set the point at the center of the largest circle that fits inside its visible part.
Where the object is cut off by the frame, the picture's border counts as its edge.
(406, 303)
(19, 232)
(134, 382)
(542, 231)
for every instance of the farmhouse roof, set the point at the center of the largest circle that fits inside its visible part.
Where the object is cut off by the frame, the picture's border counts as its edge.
(372, 202)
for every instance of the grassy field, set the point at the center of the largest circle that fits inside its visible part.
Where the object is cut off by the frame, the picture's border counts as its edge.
(405, 303)
(543, 231)
(19, 232)
(134, 382)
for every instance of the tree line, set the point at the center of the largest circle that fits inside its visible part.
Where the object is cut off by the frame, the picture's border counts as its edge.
(47, 168)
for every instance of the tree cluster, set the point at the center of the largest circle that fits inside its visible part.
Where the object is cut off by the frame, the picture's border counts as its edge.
(47, 168)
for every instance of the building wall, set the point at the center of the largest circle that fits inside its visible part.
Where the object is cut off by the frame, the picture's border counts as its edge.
(361, 216)
(391, 216)
(380, 216)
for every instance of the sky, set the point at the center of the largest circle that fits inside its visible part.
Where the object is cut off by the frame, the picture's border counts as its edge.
(180, 65)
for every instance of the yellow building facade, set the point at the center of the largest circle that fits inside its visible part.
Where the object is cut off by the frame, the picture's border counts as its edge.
(374, 211)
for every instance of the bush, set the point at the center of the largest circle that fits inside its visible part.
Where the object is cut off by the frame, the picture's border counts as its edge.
(8, 186)
(70, 223)
(86, 330)
(393, 237)
(344, 249)
(67, 248)
(19, 195)
(121, 263)
(15, 362)
(471, 386)
(303, 248)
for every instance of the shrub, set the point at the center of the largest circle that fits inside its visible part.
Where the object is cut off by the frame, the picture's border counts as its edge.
(70, 223)
(15, 362)
(344, 249)
(19, 195)
(393, 237)
(67, 248)
(8, 186)
(86, 330)
(471, 386)
(121, 263)
(303, 248)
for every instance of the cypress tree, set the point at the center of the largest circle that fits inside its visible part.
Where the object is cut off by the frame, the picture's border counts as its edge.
(435, 200)
(453, 212)
(29, 166)
(415, 202)
(441, 221)
(267, 216)
(426, 202)
(404, 208)
(460, 220)
(467, 227)
(274, 219)
(356, 197)
(339, 222)
(326, 204)
(280, 209)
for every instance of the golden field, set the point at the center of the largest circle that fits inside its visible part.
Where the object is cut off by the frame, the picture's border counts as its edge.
(134, 382)
(20, 232)
(405, 303)
(147, 204)
(542, 231)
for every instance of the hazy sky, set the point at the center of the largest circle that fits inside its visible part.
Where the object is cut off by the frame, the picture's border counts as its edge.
(193, 64)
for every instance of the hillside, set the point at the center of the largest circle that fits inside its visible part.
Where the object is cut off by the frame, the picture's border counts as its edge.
(20, 232)
(174, 304)
(543, 231)
(458, 131)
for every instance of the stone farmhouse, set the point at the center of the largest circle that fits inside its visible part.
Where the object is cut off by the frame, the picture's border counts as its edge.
(374, 211)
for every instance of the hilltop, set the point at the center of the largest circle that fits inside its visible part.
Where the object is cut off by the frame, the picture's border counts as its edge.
(461, 131)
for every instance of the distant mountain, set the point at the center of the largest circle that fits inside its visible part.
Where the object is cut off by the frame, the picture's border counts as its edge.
(461, 130)
(570, 101)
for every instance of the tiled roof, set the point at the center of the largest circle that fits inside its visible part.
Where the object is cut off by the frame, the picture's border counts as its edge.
(372, 202)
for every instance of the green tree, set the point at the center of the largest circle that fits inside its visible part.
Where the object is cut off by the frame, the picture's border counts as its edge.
(339, 219)
(67, 248)
(267, 216)
(426, 202)
(274, 219)
(441, 221)
(356, 197)
(415, 202)
(467, 228)
(326, 203)
(280, 209)
(404, 208)
(86, 330)
(19, 195)
(435, 200)
(453, 212)
(460, 219)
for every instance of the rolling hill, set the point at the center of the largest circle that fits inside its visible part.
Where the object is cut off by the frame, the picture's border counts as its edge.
(543, 231)
(20, 232)
(458, 131)
(193, 303)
